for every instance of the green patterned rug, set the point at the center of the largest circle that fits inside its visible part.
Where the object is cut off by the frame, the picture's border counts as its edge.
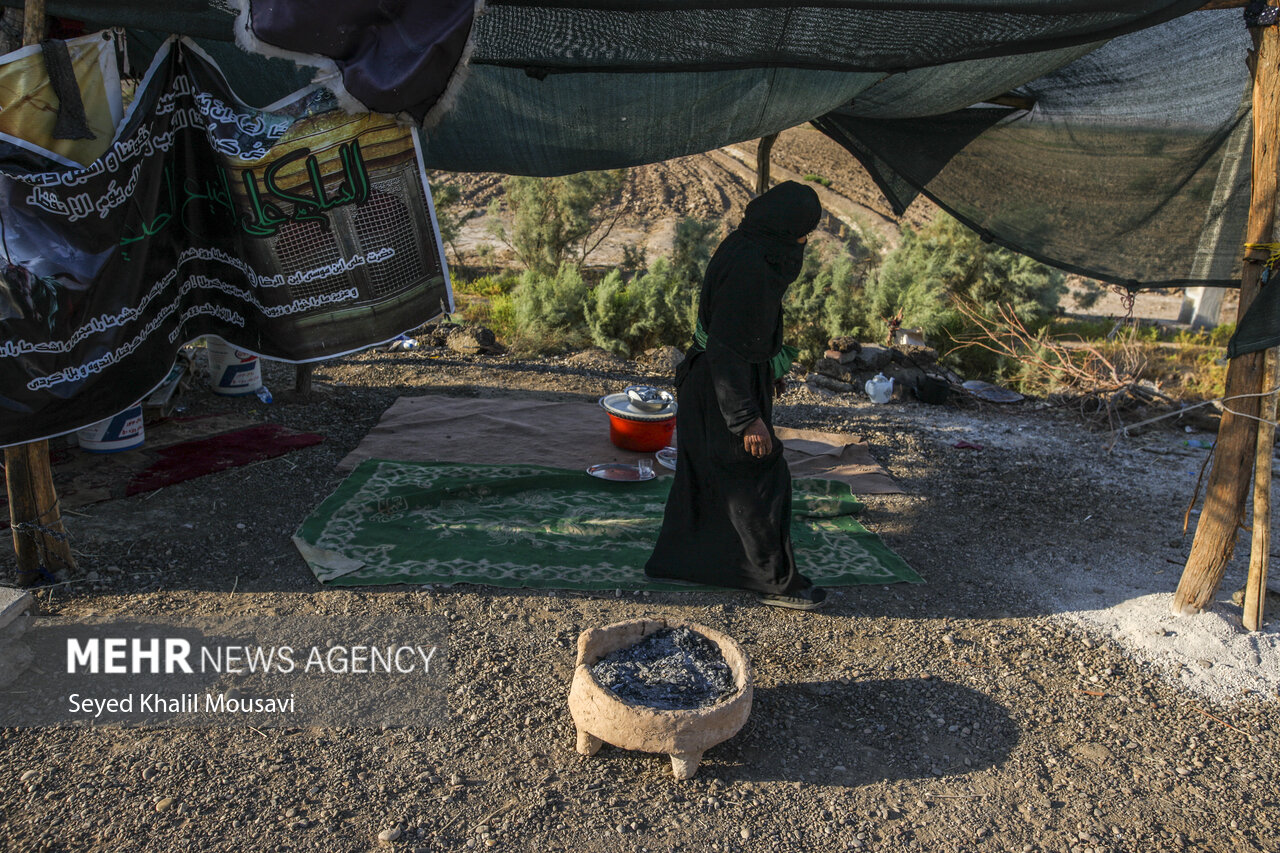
(533, 526)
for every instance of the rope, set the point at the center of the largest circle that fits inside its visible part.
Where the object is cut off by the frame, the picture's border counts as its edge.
(1273, 250)
(1124, 430)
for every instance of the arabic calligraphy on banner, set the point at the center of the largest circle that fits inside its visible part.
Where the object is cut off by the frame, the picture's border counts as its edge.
(299, 232)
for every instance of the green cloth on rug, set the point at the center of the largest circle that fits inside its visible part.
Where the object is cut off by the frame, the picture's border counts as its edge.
(533, 526)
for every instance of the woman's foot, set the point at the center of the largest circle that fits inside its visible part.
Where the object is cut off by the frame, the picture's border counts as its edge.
(809, 598)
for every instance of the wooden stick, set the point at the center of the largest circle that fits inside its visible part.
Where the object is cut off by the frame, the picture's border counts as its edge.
(1223, 4)
(38, 536)
(1236, 448)
(762, 162)
(1255, 589)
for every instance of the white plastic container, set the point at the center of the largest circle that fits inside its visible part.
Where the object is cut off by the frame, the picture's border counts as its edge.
(232, 372)
(123, 431)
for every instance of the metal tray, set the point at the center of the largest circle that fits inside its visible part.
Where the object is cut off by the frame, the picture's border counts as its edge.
(620, 472)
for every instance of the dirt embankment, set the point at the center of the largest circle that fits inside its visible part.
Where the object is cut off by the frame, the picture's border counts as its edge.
(714, 186)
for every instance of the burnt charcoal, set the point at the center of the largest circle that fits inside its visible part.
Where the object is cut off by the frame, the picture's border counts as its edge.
(672, 668)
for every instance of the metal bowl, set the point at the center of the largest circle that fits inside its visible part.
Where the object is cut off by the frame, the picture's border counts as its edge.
(647, 398)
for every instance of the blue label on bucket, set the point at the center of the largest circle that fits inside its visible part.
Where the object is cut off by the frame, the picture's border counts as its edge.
(122, 432)
(124, 426)
(237, 375)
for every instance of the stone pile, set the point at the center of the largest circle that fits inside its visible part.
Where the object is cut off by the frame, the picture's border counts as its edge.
(847, 365)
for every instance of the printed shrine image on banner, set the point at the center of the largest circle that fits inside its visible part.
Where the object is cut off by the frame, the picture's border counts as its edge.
(297, 232)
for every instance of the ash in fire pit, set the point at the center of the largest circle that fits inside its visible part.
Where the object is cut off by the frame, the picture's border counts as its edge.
(670, 669)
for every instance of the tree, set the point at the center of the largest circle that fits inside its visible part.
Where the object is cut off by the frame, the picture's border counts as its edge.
(559, 220)
(445, 198)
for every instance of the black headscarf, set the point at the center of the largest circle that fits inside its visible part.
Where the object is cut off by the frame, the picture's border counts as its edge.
(741, 303)
(778, 219)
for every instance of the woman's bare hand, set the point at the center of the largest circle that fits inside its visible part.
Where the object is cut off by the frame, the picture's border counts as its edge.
(756, 440)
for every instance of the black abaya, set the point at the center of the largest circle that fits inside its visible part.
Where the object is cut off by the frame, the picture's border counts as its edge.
(728, 517)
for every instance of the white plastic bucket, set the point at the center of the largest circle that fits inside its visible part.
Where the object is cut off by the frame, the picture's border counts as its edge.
(121, 432)
(232, 372)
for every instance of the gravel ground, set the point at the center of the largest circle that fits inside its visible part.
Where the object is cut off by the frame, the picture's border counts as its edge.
(982, 710)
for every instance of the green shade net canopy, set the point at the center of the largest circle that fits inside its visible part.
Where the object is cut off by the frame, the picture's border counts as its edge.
(1124, 157)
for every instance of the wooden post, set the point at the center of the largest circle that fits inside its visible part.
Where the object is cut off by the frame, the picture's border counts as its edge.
(762, 162)
(33, 23)
(1236, 449)
(302, 379)
(1255, 589)
(38, 536)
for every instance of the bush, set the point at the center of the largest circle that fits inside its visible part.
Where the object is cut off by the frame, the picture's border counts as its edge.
(656, 307)
(823, 303)
(487, 285)
(555, 221)
(445, 198)
(549, 310)
(944, 262)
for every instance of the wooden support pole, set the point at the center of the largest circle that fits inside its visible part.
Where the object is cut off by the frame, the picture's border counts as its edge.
(1236, 448)
(33, 23)
(302, 379)
(38, 536)
(762, 162)
(1255, 588)
(39, 539)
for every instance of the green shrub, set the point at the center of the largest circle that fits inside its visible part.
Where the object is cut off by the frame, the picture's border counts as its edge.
(445, 198)
(1221, 334)
(555, 221)
(922, 279)
(822, 303)
(487, 285)
(655, 308)
(549, 310)
(818, 179)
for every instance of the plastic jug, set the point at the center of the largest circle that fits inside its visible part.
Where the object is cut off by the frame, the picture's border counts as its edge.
(880, 388)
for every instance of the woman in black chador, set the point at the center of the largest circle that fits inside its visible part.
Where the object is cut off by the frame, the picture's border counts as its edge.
(728, 518)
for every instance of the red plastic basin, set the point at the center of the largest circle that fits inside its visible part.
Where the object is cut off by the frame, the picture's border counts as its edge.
(641, 436)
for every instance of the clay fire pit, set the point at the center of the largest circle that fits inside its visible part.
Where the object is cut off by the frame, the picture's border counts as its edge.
(684, 734)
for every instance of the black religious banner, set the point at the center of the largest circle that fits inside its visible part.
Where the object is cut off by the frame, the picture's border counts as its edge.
(297, 232)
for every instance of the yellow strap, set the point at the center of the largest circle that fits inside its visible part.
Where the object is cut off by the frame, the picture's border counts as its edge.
(1274, 248)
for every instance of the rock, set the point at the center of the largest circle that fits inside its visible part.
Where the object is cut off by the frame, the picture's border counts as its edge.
(874, 357)
(745, 833)
(164, 804)
(1092, 752)
(844, 344)
(29, 774)
(665, 359)
(834, 369)
(596, 359)
(389, 835)
(472, 340)
(435, 334)
(827, 384)
(13, 603)
(149, 774)
(850, 358)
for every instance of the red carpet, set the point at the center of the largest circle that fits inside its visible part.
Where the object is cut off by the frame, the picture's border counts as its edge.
(175, 450)
(192, 459)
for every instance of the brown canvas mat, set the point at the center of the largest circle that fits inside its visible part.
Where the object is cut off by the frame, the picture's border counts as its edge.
(499, 430)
